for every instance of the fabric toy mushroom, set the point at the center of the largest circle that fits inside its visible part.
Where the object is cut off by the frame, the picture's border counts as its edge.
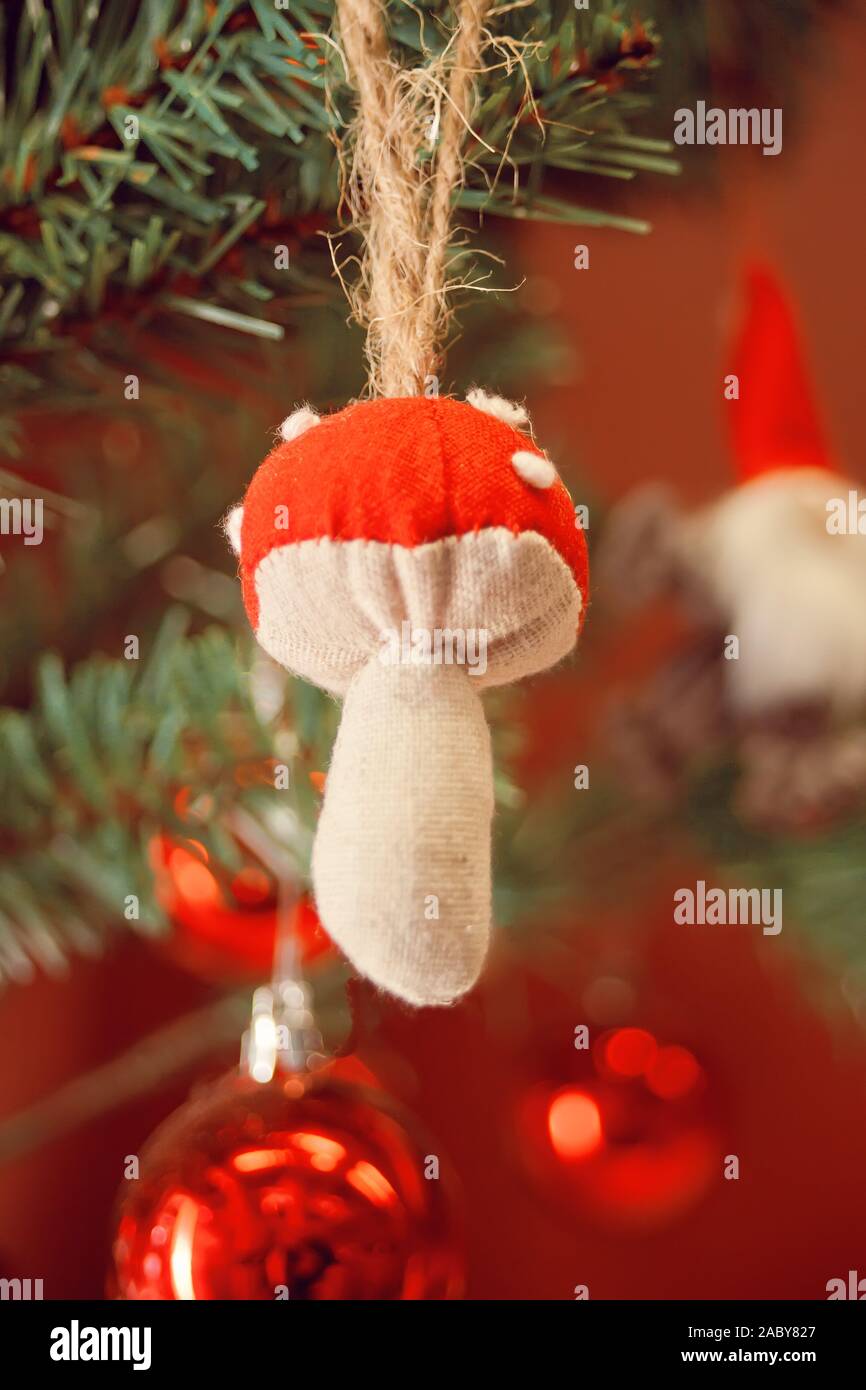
(404, 554)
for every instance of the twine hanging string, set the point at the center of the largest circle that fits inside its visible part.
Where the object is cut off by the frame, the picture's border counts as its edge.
(400, 202)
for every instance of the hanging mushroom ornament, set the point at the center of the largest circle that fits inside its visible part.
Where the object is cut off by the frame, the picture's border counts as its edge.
(404, 554)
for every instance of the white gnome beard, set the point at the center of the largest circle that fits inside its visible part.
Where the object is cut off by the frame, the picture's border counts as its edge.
(793, 595)
(401, 862)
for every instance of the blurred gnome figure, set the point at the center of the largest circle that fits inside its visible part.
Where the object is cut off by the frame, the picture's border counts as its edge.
(774, 574)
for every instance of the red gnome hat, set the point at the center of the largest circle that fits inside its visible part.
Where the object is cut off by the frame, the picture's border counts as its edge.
(774, 422)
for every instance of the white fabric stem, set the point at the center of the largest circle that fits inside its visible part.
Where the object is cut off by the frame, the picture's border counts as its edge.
(401, 864)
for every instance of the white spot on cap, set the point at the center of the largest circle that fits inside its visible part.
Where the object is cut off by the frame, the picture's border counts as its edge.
(232, 528)
(534, 469)
(508, 411)
(298, 423)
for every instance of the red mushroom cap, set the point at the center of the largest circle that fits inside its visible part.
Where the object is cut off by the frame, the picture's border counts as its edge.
(406, 472)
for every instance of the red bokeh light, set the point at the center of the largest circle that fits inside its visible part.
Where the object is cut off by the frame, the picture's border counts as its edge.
(628, 1136)
(629, 1051)
(674, 1073)
(226, 931)
(574, 1124)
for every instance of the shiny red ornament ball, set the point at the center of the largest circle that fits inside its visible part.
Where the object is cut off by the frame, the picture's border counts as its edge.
(226, 931)
(301, 1188)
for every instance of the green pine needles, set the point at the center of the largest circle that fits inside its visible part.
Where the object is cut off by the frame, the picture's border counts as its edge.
(166, 155)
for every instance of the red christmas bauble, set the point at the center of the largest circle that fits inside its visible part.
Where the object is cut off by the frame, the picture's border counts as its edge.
(627, 1137)
(225, 932)
(300, 1188)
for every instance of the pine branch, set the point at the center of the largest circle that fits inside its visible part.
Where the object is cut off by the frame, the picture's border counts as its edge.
(121, 752)
(205, 417)
(92, 775)
(178, 1048)
(820, 874)
(175, 157)
(173, 1051)
(155, 158)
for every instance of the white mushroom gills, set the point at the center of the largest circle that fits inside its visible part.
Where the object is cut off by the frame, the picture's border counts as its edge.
(401, 863)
